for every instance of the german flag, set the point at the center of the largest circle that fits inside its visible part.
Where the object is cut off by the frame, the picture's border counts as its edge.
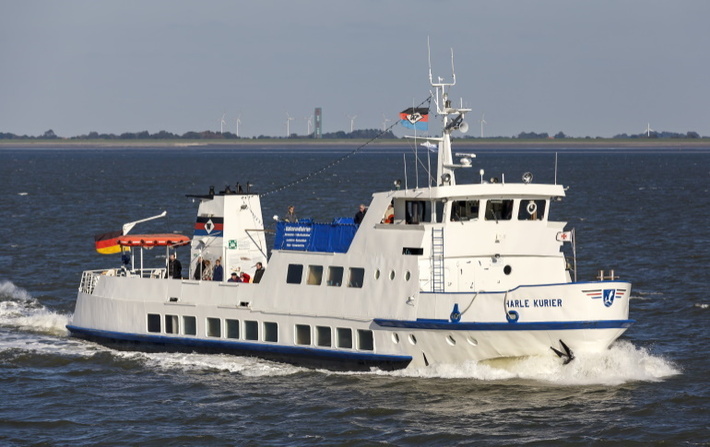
(107, 243)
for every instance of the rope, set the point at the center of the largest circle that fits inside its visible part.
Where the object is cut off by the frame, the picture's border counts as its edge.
(338, 161)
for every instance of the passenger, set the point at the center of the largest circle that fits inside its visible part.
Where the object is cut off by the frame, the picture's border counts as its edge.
(360, 214)
(234, 278)
(174, 267)
(259, 272)
(207, 271)
(244, 277)
(218, 272)
(291, 214)
(199, 268)
(389, 214)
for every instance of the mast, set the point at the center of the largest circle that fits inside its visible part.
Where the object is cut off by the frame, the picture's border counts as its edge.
(452, 119)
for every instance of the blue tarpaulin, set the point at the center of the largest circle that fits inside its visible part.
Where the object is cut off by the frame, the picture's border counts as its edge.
(306, 235)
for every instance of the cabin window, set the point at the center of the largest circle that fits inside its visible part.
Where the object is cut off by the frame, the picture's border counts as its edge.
(294, 274)
(464, 210)
(251, 330)
(271, 332)
(417, 211)
(335, 276)
(214, 327)
(323, 336)
(532, 209)
(315, 275)
(153, 323)
(345, 337)
(303, 334)
(440, 210)
(365, 341)
(189, 324)
(414, 251)
(171, 324)
(357, 276)
(498, 209)
(232, 328)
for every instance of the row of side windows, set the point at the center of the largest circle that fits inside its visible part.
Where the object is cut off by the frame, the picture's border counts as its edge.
(304, 335)
(418, 211)
(333, 276)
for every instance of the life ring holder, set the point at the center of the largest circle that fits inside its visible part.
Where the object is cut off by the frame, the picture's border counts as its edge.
(531, 208)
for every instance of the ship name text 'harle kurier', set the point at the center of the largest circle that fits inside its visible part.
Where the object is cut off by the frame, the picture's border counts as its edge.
(445, 274)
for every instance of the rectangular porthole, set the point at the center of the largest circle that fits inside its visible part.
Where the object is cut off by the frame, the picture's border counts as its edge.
(303, 334)
(153, 323)
(271, 332)
(323, 336)
(365, 341)
(232, 328)
(189, 325)
(345, 338)
(214, 327)
(172, 325)
(251, 330)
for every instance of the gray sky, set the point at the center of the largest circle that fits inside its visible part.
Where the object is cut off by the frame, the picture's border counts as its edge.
(592, 68)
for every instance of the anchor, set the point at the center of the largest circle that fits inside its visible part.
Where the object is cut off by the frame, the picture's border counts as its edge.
(567, 355)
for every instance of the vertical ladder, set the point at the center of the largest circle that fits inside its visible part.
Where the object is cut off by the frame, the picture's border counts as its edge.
(437, 259)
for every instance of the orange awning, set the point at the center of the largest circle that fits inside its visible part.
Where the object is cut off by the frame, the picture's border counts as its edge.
(153, 240)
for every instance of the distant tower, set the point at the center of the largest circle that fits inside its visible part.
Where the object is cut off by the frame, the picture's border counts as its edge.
(318, 131)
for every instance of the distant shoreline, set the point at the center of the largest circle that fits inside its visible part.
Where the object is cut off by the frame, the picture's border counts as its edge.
(500, 143)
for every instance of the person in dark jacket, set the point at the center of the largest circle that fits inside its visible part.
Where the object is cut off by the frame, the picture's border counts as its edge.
(360, 214)
(174, 267)
(259, 272)
(218, 272)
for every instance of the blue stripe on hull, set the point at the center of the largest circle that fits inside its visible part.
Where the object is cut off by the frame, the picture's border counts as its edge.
(518, 326)
(309, 357)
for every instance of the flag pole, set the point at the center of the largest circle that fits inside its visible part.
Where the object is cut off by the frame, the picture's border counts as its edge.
(574, 253)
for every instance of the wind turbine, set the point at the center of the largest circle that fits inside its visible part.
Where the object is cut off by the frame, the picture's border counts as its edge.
(309, 122)
(288, 125)
(352, 122)
(384, 122)
(483, 121)
(222, 122)
(649, 130)
(239, 121)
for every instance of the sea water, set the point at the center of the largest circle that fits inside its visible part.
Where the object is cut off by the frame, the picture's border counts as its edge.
(643, 212)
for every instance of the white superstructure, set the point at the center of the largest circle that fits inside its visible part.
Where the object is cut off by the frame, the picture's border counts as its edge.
(443, 274)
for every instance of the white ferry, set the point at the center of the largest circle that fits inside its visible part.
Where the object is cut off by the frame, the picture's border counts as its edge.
(443, 274)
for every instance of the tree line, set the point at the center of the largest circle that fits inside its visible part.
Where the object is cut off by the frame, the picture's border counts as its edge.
(356, 134)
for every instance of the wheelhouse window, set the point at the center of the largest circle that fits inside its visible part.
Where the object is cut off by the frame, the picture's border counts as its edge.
(463, 210)
(532, 210)
(417, 211)
(498, 209)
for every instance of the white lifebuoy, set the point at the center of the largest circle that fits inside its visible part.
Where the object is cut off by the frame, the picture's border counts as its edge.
(532, 207)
